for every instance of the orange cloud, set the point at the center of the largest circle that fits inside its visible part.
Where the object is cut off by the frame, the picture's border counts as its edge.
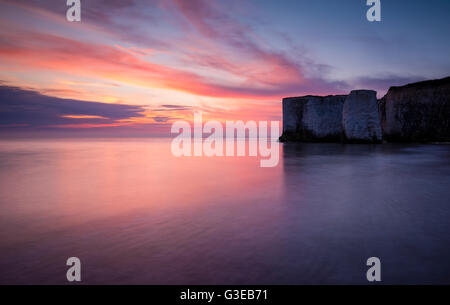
(81, 116)
(47, 51)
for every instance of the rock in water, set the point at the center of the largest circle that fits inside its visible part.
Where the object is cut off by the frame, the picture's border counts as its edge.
(360, 118)
(418, 112)
(313, 118)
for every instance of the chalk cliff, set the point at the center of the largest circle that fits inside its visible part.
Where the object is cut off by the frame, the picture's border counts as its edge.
(313, 118)
(360, 118)
(418, 112)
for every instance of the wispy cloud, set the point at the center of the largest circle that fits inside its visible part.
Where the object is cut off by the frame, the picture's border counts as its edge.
(256, 70)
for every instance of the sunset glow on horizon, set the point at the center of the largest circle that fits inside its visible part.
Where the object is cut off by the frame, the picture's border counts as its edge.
(141, 65)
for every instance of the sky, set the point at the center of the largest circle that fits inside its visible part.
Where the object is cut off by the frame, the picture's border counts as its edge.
(134, 67)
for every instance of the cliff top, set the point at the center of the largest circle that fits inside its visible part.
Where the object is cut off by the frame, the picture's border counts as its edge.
(363, 91)
(313, 96)
(425, 84)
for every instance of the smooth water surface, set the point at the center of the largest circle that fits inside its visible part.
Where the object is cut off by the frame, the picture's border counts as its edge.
(134, 214)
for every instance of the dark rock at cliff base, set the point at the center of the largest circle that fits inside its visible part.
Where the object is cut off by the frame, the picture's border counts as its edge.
(360, 118)
(418, 112)
(313, 118)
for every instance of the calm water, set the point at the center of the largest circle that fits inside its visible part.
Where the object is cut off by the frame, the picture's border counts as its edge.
(134, 214)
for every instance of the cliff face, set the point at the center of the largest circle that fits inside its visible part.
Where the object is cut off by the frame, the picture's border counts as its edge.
(360, 118)
(313, 118)
(418, 112)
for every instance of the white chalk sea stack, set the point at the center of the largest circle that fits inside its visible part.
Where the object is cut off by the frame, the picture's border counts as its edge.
(313, 118)
(360, 117)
